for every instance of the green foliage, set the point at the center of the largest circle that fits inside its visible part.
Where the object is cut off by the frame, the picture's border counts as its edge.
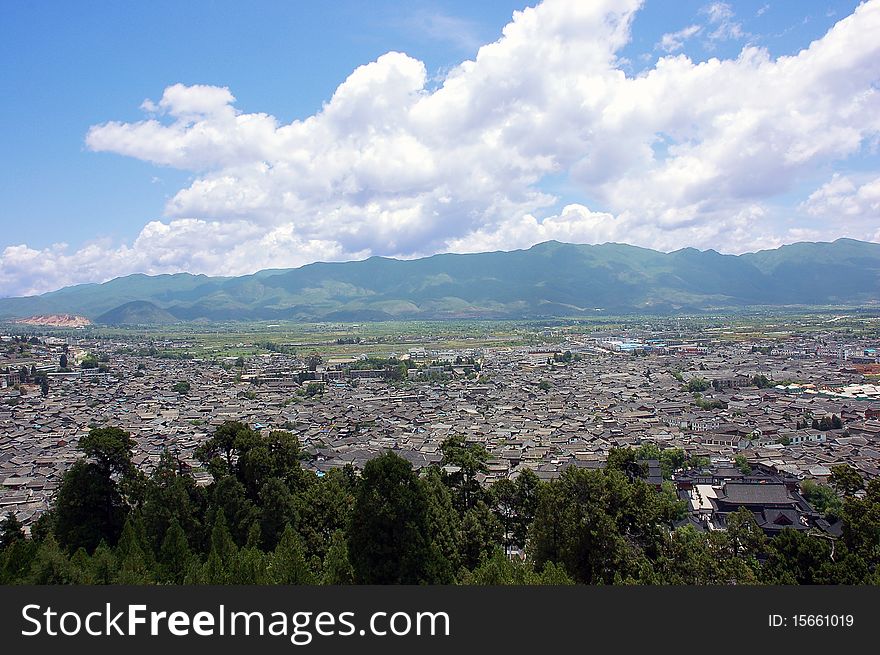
(743, 464)
(250, 566)
(276, 509)
(464, 460)
(169, 498)
(16, 560)
(175, 556)
(314, 389)
(251, 457)
(480, 532)
(627, 460)
(45, 524)
(697, 384)
(390, 364)
(135, 558)
(690, 557)
(110, 448)
(183, 387)
(103, 565)
(846, 480)
(762, 381)
(89, 361)
(602, 526)
(217, 453)
(287, 564)
(88, 508)
(275, 455)
(707, 405)
(823, 499)
(279, 348)
(861, 523)
(223, 549)
(514, 503)
(623, 460)
(51, 565)
(337, 567)
(229, 497)
(746, 540)
(826, 423)
(264, 520)
(498, 569)
(444, 528)
(324, 508)
(698, 462)
(795, 558)
(388, 540)
(11, 531)
(671, 459)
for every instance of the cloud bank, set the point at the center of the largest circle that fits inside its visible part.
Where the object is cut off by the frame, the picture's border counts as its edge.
(685, 154)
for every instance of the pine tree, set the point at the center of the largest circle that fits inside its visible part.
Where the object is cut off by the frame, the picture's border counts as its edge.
(216, 569)
(88, 507)
(337, 568)
(134, 556)
(288, 562)
(81, 571)
(16, 560)
(388, 539)
(276, 511)
(105, 566)
(50, 565)
(213, 571)
(221, 540)
(10, 531)
(480, 532)
(249, 567)
(444, 529)
(175, 555)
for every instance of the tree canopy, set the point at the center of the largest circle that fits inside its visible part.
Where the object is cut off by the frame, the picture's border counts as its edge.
(265, 519)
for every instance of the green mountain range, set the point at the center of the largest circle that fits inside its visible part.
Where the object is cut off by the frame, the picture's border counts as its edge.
(136, 312)
(549, 279)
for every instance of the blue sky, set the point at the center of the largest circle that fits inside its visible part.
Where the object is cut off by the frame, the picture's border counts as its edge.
(81, 205)
(72, 65)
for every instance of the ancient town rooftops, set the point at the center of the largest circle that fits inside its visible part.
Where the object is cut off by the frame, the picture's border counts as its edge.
(745, 494)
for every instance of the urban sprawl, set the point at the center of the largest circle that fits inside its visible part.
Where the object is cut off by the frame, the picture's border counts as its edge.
(755, 418)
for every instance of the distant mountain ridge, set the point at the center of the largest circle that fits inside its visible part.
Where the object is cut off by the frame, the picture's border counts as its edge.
(136, 312)
(549, 279)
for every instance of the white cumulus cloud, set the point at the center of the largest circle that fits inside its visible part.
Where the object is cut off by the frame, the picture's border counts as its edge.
(687, 153)
(674, 41)
(844, 202)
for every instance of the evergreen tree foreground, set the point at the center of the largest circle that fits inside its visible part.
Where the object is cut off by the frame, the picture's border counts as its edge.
(266, 520)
